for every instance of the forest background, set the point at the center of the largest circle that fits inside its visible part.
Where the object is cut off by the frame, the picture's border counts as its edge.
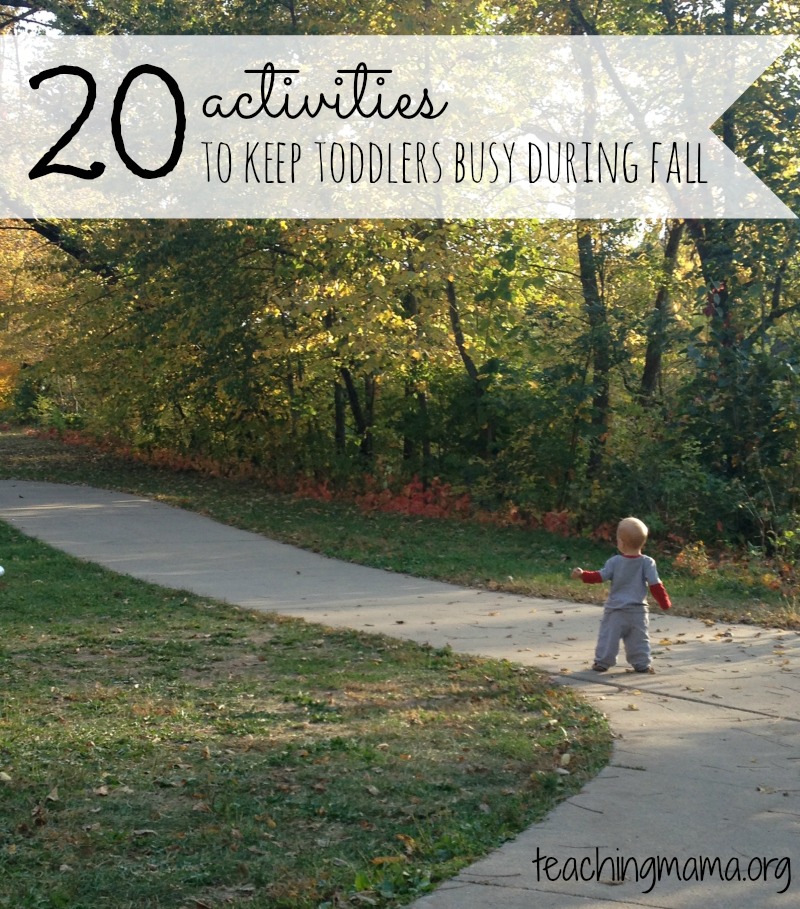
(556, 374)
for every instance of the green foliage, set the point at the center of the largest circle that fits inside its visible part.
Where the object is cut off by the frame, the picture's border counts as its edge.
(290, 345)
(46, 401)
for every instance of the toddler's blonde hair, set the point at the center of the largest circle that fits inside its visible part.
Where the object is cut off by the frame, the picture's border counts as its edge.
(633, 532)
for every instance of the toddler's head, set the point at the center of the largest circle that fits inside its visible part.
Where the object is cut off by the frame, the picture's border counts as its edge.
(631, 536)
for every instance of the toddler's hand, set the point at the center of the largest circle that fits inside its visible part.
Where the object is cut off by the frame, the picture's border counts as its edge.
(577, 572)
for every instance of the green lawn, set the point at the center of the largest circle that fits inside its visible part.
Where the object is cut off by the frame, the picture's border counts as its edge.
(162, 750)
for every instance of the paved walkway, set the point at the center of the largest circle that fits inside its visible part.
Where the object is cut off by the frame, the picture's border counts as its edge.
(707, 758)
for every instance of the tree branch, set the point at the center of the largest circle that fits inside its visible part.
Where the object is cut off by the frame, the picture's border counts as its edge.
(69, 15)
(53, 233)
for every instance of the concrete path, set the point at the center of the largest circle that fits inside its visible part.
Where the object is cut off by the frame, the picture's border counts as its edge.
(707, 759)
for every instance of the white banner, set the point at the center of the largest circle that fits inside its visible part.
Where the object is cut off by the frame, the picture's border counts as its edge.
(312, 127)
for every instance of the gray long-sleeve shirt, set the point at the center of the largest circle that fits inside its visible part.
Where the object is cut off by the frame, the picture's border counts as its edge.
(630, 577)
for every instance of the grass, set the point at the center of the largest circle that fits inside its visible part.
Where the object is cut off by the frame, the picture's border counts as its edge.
(500, 558)
(158, 749)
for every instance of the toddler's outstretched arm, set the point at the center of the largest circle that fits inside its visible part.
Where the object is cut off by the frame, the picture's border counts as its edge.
(588, 577)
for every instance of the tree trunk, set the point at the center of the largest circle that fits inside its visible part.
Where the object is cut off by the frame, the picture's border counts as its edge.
(599, 340)
(368, 439)
(363, 416)
(340, 418)
(578, 23)
(656, 340)
(458, 334)
(412, 390)
(487, 430)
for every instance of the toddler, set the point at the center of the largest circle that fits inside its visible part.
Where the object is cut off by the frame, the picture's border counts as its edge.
(625, 616)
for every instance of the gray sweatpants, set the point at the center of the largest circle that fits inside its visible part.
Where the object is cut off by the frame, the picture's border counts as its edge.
(627, 624)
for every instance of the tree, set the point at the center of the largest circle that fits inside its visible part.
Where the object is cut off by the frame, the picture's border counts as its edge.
(585, 365)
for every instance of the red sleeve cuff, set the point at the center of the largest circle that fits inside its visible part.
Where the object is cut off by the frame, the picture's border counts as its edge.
(660, 595)
(592, 577)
